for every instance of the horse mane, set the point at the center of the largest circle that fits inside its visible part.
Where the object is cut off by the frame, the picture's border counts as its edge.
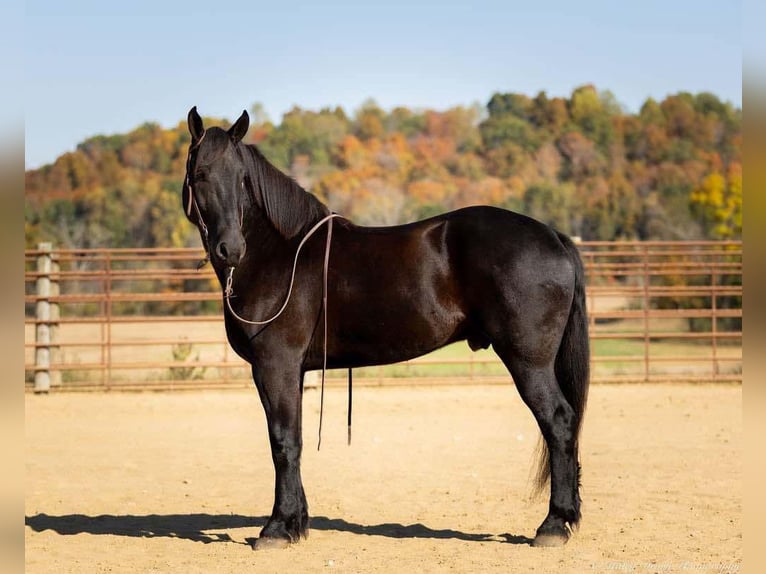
(289, 207)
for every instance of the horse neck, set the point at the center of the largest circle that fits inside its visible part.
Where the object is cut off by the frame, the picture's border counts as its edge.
(283, 203)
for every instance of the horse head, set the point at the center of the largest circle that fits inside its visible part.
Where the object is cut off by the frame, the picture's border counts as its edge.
(213, 196)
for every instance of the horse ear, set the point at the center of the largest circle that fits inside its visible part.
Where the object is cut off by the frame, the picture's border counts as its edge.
(239, 129)
(196, 129)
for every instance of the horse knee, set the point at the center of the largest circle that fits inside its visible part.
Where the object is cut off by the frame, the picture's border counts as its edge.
(285, 445)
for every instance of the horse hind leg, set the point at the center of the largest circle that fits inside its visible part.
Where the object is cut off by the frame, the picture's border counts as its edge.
(556, 418)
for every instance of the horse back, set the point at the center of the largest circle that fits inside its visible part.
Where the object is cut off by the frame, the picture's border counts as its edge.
(400, 292)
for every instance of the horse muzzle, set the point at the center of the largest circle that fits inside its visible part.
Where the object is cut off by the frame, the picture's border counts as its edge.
(229, 251)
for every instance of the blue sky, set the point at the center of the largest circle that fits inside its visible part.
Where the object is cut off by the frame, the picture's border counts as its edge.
(99, 67)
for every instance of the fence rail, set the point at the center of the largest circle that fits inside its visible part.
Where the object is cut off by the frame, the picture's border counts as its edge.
(147, 319)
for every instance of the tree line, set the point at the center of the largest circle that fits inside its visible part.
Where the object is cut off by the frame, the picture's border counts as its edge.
(583, 164)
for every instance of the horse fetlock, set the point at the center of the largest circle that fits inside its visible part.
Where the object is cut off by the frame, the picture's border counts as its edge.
(568, 514)
(291, 526)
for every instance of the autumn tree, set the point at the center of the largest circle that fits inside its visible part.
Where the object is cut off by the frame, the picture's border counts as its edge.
(369, 121)
(718, 202)
(582, 163)
(551, 204)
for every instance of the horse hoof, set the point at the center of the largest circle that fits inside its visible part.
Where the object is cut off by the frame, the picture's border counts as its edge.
(549, 540)
(270, 543)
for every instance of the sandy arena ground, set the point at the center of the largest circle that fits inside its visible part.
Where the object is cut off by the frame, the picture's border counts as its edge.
(436, 480)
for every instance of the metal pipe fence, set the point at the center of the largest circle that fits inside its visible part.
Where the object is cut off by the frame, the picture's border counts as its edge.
(139, 319)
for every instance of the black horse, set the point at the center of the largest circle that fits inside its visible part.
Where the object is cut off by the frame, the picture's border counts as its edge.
(481, 274)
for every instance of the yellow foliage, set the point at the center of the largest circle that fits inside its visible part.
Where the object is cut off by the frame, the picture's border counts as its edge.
(719, 201)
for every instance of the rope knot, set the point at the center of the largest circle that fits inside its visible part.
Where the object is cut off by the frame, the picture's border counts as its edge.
(229, 290)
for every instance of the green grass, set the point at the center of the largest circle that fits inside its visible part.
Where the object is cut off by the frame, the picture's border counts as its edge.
(689, 352)
(457, 351)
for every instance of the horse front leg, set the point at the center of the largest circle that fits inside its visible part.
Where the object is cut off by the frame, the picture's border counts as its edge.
(280, 393)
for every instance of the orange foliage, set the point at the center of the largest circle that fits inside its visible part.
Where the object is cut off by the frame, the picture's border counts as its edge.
(613, 169)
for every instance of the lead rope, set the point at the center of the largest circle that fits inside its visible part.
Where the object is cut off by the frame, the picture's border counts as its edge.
(324, 340)
(229, 294)
(350, 402)
(229, 290)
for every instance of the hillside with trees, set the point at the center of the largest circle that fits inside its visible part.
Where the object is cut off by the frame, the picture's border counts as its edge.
(583, 164)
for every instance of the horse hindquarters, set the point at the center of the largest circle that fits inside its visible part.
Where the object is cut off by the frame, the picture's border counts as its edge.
(540, 333)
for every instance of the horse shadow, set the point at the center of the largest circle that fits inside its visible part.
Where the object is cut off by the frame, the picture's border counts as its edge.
(197, 527)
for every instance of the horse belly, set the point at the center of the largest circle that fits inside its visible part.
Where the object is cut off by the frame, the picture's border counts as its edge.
(397, 321)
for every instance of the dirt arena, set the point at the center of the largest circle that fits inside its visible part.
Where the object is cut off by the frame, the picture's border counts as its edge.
(436, 480)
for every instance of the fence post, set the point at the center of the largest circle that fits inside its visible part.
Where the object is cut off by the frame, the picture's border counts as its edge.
(589, 263)
(714, 313)
(55, 317)
(43, 316)
(647, 277)
(108, 320)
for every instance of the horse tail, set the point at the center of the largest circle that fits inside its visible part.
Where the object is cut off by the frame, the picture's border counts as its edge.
(572, 364)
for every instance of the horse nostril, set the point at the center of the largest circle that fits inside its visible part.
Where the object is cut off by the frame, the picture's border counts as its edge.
(229, 252)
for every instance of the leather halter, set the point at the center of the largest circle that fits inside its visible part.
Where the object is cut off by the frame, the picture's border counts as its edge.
(191, 203)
